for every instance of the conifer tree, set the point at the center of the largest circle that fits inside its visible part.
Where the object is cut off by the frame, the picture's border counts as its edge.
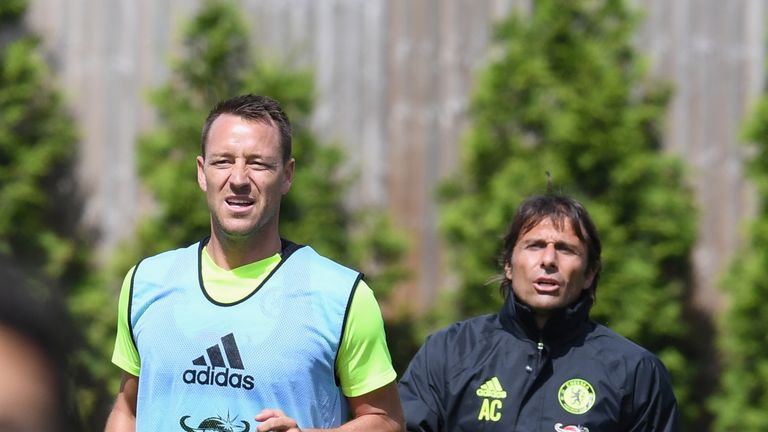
(741, 403)
(565, 93)
(37, 143)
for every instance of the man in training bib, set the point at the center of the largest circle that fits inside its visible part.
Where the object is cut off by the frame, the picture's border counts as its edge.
(246, 331)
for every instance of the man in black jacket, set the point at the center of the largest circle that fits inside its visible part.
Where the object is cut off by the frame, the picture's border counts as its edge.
(540, 364)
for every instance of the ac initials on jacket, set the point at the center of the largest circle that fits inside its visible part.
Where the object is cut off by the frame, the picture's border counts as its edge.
(490, 410)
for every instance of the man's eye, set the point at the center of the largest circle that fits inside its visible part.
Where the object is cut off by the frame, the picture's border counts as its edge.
(259, 165)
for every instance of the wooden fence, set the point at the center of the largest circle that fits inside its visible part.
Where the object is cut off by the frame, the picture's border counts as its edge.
(393, 80)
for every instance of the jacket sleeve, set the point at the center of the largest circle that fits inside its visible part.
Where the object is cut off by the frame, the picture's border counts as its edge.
(654, 408)
(420, 390)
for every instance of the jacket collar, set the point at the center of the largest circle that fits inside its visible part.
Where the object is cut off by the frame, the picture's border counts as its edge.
(518, 319)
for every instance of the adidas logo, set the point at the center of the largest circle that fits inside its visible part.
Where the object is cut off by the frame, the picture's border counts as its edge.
(492, 389)
(222, 378)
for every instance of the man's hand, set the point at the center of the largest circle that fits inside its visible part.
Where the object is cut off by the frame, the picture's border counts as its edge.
(377, 411)
(275, 420)
(123, 415)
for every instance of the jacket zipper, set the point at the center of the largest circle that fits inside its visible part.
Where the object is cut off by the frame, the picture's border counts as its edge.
(540, 354)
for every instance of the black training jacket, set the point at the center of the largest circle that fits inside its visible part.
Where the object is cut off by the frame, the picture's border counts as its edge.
(500, 373)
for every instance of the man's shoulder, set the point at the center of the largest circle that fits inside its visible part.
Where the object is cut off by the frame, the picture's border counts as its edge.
(320, 261)
(319, 274)
(465, 334)
(610, 344)
(169, 257)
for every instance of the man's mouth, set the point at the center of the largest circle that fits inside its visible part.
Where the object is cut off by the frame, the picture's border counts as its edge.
(239, 202)
(546, 284)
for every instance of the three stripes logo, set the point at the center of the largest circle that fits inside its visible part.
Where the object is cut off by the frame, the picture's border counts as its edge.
(492, 389)
(220, 369)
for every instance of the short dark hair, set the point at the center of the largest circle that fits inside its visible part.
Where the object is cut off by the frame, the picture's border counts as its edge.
(561, 209)
(254, 108)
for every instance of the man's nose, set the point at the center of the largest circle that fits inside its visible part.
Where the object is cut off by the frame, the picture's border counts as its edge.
(549, 256)
(239, 175)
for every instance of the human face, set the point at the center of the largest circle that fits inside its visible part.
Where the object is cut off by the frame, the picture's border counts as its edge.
(548, 267)
(27, 386)
(244, 177)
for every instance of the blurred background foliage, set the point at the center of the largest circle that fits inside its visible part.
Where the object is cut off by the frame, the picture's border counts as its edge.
(741, 404)
(564, 92)
(41, 204)
(37, 150)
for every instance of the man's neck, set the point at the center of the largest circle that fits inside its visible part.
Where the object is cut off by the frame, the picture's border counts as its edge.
(541, 319)
(230, 253)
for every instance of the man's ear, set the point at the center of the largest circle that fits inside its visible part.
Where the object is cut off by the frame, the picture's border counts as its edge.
(590, 277)
(508, 271)
(201, 174)
(288, 171)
